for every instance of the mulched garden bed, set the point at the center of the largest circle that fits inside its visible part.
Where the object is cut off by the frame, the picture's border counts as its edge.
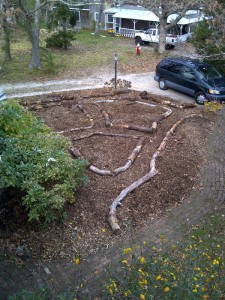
(86, 228)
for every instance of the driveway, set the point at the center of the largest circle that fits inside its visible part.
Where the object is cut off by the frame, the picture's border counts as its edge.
(139, 82)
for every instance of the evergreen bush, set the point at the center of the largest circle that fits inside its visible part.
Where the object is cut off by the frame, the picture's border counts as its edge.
(37, 162)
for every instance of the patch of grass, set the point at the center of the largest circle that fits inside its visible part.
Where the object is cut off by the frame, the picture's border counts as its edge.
(87, 51)
(195, 270)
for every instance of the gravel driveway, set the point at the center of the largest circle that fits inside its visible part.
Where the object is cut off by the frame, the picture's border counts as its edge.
(139, 82)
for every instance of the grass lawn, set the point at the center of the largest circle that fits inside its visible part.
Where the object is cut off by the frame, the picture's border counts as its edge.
(87, 53)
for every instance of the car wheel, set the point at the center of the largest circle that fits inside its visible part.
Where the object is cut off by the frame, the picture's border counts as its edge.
(162, 84)
(138, 40)
(200, 97)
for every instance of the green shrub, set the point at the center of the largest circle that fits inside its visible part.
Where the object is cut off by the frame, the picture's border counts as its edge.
(47, 59)
(60, 39)
(37, 162)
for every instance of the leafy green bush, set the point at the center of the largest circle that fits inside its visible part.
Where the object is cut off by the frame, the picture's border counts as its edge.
(37, 162)
(60, 39)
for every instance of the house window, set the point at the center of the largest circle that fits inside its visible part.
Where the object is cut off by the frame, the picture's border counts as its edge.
(96, 16)
(77, 14)
(110, 18)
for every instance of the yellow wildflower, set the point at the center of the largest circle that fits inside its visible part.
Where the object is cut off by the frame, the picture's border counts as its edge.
(194, 290)
(158, 277)
(127, 250)
(77, 261)
(127, 293)
(215, 262)
(143, 282)
(142, 296)
(140, 271)
(124, 261)
(142, 260)
(166, 289)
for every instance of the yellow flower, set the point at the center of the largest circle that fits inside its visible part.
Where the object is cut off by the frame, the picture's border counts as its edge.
(143, 282)
(77, 261)
(215, 262)
(166, 289)
(124, 261)
(127, 293)
(194, 290)
(142, 297)
(127, 250)
(140, 271)
(158, 277)
(142, 260)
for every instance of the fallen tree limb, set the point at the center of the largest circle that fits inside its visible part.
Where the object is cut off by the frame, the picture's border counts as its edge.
(151, 129)
(144, 95)
(112, 219)
(134, 127)
(73, 129)
(76, 153)
(107, 134)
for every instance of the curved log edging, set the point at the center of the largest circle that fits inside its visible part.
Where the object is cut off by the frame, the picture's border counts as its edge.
(112, 219)
(104, 172)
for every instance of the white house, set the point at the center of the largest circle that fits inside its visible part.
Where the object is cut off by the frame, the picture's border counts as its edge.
(131, 19)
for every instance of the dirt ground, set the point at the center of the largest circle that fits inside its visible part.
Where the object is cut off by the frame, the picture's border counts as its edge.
(86, 229)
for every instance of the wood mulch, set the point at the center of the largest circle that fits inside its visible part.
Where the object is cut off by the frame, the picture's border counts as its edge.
(86, 229)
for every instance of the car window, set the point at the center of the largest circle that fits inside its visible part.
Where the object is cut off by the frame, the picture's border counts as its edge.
(188, 73)
(208, 72)
(175, 68)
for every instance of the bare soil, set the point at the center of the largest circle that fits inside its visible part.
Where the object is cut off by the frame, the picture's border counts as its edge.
(86, 229)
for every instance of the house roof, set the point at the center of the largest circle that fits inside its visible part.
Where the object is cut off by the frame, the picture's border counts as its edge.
(133, 14)
(191, 16)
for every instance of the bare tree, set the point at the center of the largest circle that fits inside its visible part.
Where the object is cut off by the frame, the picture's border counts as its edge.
(32, 17)
(7, 20)
(98, 22)
(163, 9)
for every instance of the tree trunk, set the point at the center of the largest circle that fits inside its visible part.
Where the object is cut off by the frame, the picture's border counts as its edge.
(162, 34)
(6, 41)
(6, 32)
(98, 22)
(64, 26)
(35, 36)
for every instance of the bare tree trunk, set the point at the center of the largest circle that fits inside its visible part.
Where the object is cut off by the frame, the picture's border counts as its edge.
(35, 36)
(6, 31)
(162, 35)
(98, 22)
(6, 41)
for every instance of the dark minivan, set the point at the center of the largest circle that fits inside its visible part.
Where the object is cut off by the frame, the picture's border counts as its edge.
(192, 77)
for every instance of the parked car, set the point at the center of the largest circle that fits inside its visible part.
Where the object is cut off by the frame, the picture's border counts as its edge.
(192, 77)
(2, 95)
